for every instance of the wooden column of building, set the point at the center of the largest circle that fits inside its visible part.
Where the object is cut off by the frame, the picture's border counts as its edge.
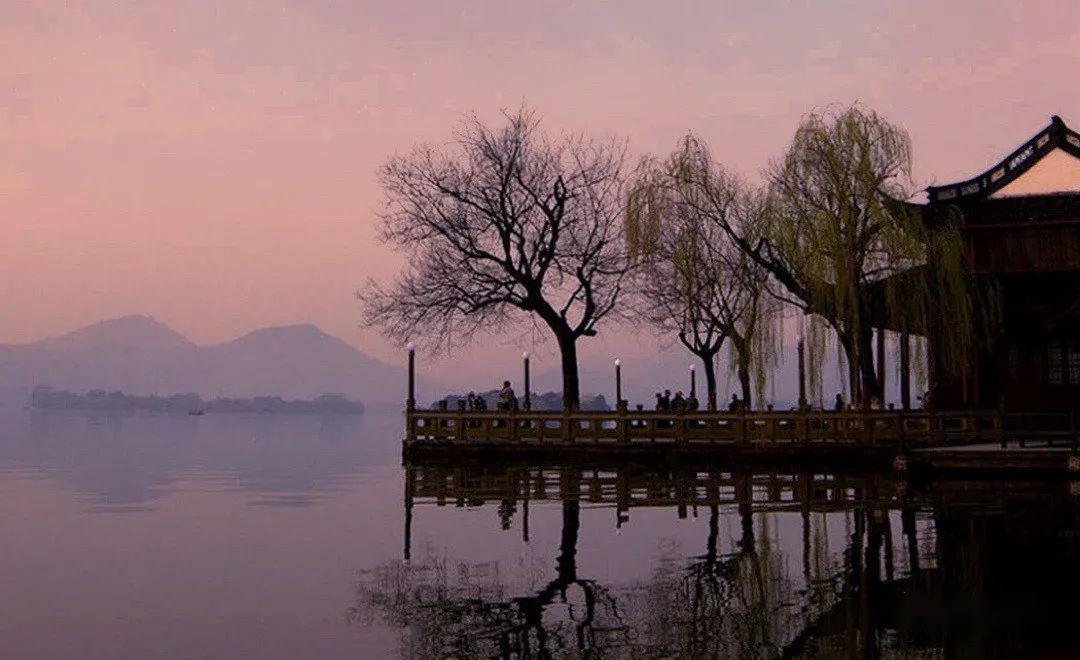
(905, 370)
(881, 363)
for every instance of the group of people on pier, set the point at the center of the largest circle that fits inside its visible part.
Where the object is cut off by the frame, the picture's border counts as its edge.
(508, 401)
(665, 402)
(678, 403)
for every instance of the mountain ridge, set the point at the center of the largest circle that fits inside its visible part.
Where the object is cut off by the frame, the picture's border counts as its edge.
(139, 354)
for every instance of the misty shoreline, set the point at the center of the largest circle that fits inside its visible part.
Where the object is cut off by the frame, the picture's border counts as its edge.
(46, 398)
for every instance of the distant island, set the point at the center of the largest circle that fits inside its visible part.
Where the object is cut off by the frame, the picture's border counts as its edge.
(46, 398)
(546, 401)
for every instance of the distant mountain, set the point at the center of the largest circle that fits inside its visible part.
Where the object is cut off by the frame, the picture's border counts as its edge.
(135, 332)
(140, 355)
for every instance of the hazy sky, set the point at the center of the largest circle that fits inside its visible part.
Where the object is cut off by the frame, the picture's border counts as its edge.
(213, 163)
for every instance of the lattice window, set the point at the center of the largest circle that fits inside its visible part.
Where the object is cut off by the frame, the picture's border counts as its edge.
(1074, 363)
(1014, 363)
(1055, 363)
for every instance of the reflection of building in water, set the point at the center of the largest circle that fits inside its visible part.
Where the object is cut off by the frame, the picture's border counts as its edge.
(940, 568)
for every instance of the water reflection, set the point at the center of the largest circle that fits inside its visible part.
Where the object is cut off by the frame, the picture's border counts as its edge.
(128, 461)
(792, 563)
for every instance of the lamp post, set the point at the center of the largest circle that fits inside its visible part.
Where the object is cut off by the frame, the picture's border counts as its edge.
(693, 382)
(802, 374)
(410, 403)
(528, 397)
(618, 382)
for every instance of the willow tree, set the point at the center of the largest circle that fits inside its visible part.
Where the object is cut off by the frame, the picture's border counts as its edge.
(694, 282)
(507, 225)
(840, 238)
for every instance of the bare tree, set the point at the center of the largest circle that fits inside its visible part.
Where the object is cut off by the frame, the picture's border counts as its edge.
(694, 281)
(507, 225)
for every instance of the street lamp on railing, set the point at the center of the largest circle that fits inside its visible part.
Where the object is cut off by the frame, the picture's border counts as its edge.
(410, 402)
(528, 397)
(618, 382)
(693, 382)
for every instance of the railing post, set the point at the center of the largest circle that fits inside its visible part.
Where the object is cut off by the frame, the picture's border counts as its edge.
(623, 421)
(743, 439)
(410, 425)
(680, 426)
(460, 421)
(410, 398)
(564, 426)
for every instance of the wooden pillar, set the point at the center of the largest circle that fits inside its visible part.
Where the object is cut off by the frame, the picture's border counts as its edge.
(905, 370)
(410, 401)
(407, 551)
(618, 383)
(525, 507)
(528, 395)
(881, 363)
(802, 374)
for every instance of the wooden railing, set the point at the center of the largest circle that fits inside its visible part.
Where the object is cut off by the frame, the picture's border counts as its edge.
(472, 484)
(625, 427)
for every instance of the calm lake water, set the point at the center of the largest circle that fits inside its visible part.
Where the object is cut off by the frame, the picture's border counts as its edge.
(232, 536)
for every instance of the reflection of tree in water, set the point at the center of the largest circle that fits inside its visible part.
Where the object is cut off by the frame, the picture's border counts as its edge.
(957, 590)
(470, 615)
(724, 605)
(738, 604)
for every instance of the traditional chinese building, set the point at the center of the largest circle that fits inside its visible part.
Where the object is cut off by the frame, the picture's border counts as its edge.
(1020, 222)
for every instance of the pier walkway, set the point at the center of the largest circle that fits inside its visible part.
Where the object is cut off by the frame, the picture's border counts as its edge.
(984, 438)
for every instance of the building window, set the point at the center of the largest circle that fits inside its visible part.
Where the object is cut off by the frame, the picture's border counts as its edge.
(1014, 363)
(1074, 363)
(1055, 363)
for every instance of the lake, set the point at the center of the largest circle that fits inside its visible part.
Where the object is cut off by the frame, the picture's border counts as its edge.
(293, 536)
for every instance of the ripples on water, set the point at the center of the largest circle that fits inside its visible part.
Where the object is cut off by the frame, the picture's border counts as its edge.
(300, 536)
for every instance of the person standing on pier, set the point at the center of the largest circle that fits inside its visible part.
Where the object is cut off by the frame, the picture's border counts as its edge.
(507, 399)
(678, 404)
(838, 404)
(661, 403)
(735, 404)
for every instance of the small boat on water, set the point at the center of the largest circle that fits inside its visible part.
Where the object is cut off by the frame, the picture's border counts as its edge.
(196, 412)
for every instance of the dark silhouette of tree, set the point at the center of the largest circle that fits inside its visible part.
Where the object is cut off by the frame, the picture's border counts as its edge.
(473, 620)
(508, 224)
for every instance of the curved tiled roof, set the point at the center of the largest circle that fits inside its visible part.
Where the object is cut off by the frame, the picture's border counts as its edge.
(1055, 136)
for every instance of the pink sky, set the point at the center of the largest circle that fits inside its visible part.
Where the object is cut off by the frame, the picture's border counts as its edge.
(213, 163)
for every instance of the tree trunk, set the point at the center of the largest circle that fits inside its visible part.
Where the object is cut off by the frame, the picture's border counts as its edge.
(867, 371)
(744, 380)
(571, 386)
(708, 360)
(850, 356)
